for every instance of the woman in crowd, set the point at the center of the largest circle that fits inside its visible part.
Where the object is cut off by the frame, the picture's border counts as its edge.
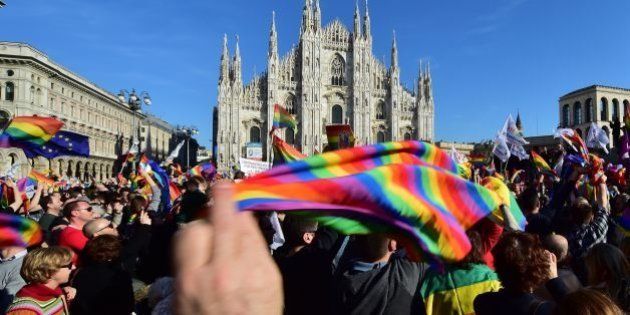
(587, 302)
(45, 270)
(102, 281)
(609, 273)
(522, 265)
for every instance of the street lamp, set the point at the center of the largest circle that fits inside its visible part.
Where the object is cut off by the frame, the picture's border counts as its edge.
(135, 104)
(188, 132)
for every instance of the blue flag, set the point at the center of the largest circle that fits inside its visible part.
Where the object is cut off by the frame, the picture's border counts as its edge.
(162, 177)
(63, 143)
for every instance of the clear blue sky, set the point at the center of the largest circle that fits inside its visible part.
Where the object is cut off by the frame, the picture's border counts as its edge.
(489, 57)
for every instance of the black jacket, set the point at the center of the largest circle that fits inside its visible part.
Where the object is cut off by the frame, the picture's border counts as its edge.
(102, 289)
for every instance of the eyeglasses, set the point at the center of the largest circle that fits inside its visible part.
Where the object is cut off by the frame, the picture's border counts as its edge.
(69, 266)
(88, 209)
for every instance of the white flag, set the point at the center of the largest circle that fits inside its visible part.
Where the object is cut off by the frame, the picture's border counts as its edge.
(175, 152)
(500, 148)
(457, 156)
(511, 132)
(518, 151)
(597, 138)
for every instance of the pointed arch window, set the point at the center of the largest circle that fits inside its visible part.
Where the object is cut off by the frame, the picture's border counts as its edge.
(337, 114)
(337, 70)
(407, 136)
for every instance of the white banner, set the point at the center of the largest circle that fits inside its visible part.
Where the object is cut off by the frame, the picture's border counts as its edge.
(252, 167)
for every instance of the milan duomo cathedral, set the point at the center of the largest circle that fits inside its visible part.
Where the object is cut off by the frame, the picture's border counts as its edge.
(331, 77)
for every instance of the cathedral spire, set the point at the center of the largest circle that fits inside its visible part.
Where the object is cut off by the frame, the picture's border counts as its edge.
(420, 87)
(307, 16)
(225, 61)
(366, 22)
(273, 37)
(317, 23)
(357, 21)
(394, 64)
(236, 66)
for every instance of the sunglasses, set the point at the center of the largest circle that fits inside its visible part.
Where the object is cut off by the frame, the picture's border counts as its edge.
(69, 266)
(88, 209)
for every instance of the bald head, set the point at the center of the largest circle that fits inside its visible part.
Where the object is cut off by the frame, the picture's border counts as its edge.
(98, 227)
(558, 245)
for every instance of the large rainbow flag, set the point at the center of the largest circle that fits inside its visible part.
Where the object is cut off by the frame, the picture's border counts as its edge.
(33, 130)
(282, 118)
(410, 189)
(284, 153)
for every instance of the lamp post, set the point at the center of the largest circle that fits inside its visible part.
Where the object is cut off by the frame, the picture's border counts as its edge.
(135, 104)
(188, 132)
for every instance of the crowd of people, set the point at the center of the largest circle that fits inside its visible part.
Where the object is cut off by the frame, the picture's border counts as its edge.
(109, 249)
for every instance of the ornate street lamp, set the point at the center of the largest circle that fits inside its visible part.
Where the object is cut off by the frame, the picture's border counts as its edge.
(188, 132)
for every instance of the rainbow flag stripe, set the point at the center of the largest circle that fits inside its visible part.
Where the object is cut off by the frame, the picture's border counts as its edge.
(33, 129)
(16, 230)
(410, 189)
(282, 118)
(284, 153)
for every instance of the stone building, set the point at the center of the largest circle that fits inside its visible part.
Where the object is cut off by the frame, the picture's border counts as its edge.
(603, 105)
(33, 84)
(330, 77)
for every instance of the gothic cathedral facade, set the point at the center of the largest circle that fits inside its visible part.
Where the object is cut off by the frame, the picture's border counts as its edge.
(331, 77)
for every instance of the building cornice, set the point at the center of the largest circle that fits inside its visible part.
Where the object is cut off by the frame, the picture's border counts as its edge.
(593, 88)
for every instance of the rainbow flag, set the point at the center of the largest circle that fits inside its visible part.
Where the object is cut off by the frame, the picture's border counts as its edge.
(16, 230)
(203, 169)
(174, 191)
(282, 118)
(507, 198)
(410, 189)
(541, 164)
(340, 137)
(284, 153)
(33, 129)
(40, 178)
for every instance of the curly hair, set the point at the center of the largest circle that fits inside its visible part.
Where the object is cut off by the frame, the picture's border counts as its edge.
(520, 261)
(103, 248)
(41, 264)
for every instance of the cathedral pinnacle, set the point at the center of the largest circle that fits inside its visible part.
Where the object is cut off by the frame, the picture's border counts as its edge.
(394, 52)
(357, 20)
(237, 52)
(366, 22)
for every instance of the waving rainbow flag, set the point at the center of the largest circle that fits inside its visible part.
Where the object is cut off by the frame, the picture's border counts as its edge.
(541, 164)
(16, 230)
(33, 129)
(284, 153)
(283, 119)
(40, 178)
(410, 189)
(203, 169)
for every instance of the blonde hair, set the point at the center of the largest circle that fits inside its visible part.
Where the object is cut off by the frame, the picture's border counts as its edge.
(42, 263)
